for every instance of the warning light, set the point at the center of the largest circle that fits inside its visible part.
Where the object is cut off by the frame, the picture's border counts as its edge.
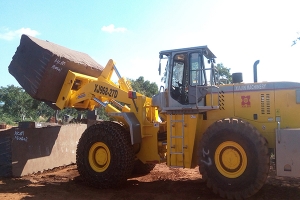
(132, 94)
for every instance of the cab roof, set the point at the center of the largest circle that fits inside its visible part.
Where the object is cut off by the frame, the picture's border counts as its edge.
(206, 52)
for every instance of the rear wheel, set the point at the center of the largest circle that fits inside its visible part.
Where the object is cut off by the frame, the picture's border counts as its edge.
(105, 155)
(233, 158)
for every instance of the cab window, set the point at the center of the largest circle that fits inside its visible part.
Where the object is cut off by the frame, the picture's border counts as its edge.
(197, 74)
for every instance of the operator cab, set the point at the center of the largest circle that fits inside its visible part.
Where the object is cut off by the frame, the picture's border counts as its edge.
(189, 76)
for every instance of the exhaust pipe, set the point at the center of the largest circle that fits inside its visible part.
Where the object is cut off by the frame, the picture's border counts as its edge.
(255, 70)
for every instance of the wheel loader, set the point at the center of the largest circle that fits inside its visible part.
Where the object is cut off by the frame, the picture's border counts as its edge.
(228, 130)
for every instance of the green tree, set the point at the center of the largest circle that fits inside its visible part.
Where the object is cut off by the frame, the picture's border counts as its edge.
(102, 114)
(224, 73)
(144, 87)
(17, 104)
(45, 111)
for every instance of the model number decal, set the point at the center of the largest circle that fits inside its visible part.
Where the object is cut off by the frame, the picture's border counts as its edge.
(106, 91)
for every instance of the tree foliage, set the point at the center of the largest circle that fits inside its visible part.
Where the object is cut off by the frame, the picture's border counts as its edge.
(102, 114)
(224, 73)
(17, 103)
(144, 87)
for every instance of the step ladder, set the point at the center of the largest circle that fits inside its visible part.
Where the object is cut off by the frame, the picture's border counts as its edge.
(180, 150)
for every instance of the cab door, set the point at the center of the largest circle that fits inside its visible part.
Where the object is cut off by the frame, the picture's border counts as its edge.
(179, 78)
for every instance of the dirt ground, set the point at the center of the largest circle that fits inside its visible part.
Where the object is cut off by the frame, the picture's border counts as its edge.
(161, 184)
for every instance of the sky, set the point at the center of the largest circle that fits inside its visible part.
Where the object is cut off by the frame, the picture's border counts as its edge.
(133, 32)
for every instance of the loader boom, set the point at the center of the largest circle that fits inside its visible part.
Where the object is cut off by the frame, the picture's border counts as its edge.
(79, 90)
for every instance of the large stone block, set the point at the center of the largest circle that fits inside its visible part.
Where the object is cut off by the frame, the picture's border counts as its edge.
(41, 67)
(28, 150)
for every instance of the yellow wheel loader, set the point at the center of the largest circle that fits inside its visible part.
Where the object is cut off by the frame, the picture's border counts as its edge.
(229, 130)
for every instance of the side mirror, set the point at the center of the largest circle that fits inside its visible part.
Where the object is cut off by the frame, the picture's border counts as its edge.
(159, 67)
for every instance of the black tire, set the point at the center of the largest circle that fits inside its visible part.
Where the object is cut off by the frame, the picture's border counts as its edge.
(233, 158)
(141, 168)
(105, 155)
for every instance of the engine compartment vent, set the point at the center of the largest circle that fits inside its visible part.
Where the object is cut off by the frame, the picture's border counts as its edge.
(265, 104)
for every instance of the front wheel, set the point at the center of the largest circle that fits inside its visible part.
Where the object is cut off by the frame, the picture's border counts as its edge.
(105, 155)
(233, 158)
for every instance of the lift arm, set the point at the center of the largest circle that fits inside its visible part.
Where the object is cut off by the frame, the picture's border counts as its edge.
(80, 91)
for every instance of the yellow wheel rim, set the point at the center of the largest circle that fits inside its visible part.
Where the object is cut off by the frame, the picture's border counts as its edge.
(99, 157)
(230, 159)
